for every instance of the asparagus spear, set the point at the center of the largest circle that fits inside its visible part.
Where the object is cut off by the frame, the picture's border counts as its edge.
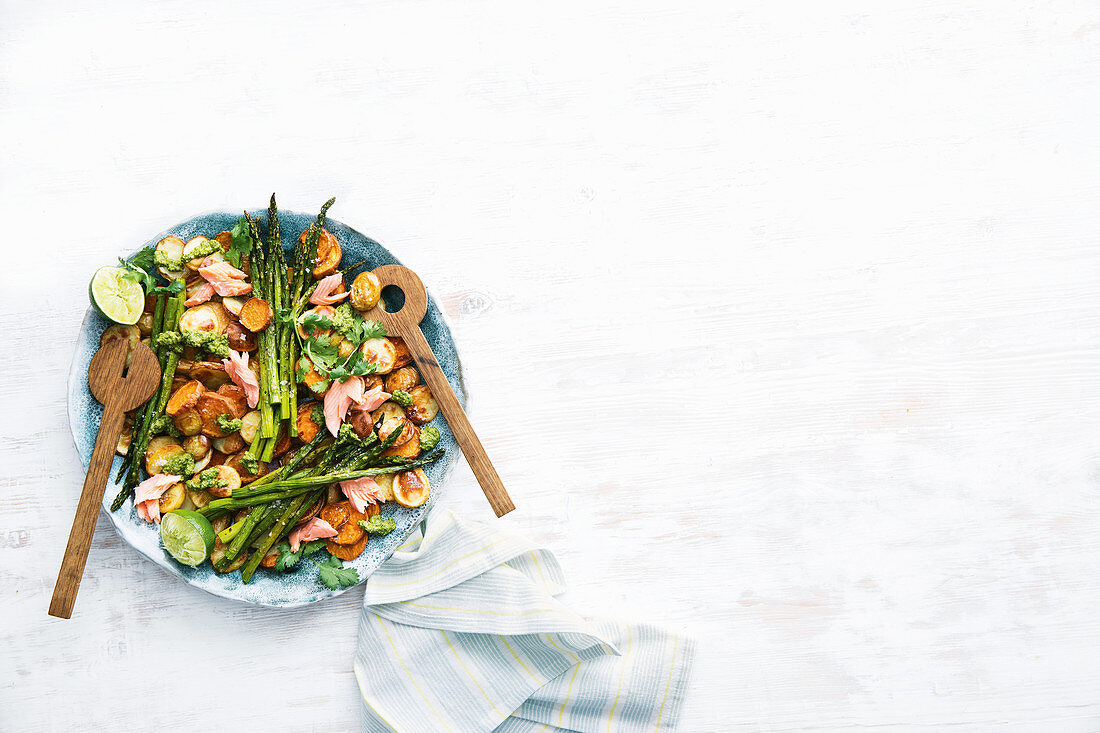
(286, 520)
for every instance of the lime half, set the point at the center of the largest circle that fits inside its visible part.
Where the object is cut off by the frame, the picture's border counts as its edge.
(187, 536)
(116, 296)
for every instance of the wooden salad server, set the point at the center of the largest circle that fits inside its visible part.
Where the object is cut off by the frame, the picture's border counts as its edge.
(119, 389)
(406, 324)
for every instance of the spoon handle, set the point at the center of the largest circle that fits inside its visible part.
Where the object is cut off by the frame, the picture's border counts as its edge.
(91, 498)
(456, 418)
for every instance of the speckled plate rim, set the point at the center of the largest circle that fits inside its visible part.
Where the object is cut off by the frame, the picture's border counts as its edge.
(121, 520)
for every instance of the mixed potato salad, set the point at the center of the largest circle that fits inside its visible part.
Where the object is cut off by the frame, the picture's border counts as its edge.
(286, 417)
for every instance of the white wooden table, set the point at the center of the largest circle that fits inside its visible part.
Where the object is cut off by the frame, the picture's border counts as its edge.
(781, 322)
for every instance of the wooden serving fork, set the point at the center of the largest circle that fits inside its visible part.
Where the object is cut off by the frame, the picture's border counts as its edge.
(406, 324)
(119, 389)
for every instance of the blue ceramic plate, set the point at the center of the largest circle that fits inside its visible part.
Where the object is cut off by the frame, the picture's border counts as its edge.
(268, 588)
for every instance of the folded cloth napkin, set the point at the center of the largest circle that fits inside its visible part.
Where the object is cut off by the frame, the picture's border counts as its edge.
(460, 631)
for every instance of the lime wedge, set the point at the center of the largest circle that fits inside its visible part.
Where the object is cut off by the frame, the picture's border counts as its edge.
(116, 296)
(187, 536)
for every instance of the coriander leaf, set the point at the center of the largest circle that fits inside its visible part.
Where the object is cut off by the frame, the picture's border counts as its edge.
(284, 316)
(286, 559)
(173, 288)
(240, 242)
(362, 367)
(143, 259)
(334, 575)
(137, 274)
(312, 322)
(311, 547)
(373, 330)
(304, 366)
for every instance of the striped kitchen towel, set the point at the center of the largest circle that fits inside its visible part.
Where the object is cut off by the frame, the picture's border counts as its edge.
(460, 631)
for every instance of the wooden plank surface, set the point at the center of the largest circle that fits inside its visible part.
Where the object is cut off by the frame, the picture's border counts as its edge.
(780, 323)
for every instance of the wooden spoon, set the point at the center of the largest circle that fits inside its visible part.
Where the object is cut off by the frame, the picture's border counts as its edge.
(119, 389)
(406, 324)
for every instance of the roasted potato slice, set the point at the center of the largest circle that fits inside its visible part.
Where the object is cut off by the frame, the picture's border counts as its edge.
(411, 488)
(328, 253)
(385, 483)
(255, 315)
(172, 499)
(380, 352)
(230, 443)
(404, 356)
(366, 291)
(234, 462)
(210, 406)
(188, 422)
(232, 479)
(333, 494)
(145, 324)
(240, 338)
(157, 456)
(172, 248)
(423, 407)
(200, 499)
(410, 448)
(218, 554)
(344, 347)
(237, 396)
(125, 437)
(313, 510)
(203, 462)
(185, 397)
(394, 419)
(206, 317)
(234, 303)
(348, 534)
(197, 445)
(403, 378)
(211, 373)
(361, 422)
(250, 424)
(269, 560)
(225, 239)
(193, 263)
(119, 332)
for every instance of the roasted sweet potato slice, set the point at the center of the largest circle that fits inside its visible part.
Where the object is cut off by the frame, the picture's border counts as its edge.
(256, 315)
(185, 397)
(337, 515)
(347, 552)
(307, 429)
(350, 532)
